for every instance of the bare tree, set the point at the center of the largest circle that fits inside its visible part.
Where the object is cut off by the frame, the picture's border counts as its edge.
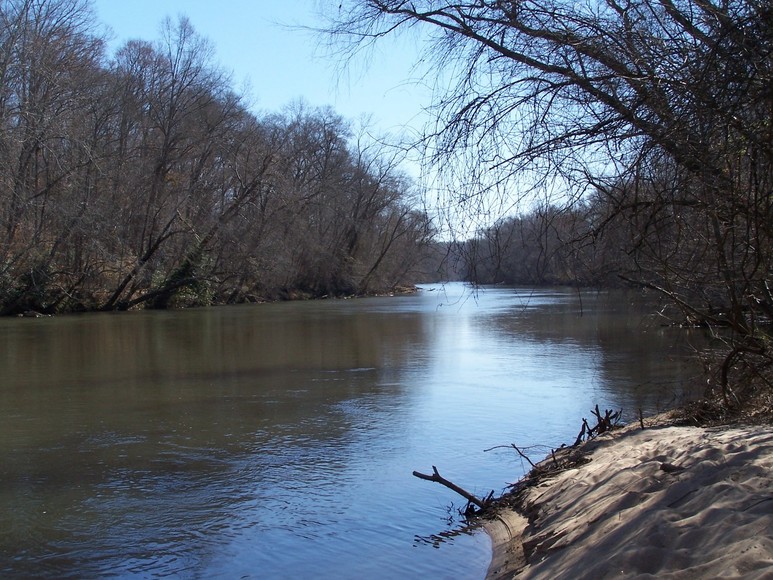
(145, 181)
(178, 95)
(48, 56)
(661, 108)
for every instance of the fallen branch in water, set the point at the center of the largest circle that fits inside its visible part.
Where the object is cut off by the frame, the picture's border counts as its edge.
(567, 457)
(437, 478)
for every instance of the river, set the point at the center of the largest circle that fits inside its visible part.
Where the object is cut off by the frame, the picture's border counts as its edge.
(278, 440)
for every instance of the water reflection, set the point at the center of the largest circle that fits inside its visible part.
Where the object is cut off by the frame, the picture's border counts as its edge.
(639, 360)
(269, 441)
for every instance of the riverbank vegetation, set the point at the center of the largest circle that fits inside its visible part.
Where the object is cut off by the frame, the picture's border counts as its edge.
(622, 143)
(636, 138)
(142, 179)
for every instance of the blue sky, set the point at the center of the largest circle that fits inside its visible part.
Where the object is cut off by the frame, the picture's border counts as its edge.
(280, 64)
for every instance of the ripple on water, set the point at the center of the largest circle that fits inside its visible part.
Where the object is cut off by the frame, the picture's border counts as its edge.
(248, 456)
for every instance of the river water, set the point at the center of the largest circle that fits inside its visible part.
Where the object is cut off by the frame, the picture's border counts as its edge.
(278, 440)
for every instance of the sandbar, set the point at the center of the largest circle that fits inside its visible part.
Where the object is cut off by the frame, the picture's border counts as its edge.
(665, 501)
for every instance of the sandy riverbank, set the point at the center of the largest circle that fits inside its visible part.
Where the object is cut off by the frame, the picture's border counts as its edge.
(663, 502)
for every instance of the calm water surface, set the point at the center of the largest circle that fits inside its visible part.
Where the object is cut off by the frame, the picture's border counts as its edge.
(278, 441)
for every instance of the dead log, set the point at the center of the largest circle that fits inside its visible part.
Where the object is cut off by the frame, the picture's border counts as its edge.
(437, 478)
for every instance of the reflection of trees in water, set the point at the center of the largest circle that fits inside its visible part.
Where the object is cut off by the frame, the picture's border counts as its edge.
(188, 424)
(448, 536)
(204, 343)
(639, 361)
(214, 367)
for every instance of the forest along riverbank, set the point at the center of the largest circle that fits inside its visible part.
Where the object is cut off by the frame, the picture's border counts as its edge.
(662, 500)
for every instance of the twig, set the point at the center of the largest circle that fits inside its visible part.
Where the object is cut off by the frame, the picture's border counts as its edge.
(524, 456)
(513, 446)
(582, 433)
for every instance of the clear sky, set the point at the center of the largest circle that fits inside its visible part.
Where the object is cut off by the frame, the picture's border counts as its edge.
(253, 41)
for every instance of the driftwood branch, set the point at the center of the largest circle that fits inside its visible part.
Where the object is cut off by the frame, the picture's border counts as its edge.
(604, 423)
(437, 478)
(523, 455)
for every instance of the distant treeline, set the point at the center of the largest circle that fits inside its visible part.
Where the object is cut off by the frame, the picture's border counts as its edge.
(550, 245)
(143, 180)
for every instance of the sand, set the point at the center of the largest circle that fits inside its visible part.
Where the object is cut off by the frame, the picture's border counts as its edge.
(663, 502)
